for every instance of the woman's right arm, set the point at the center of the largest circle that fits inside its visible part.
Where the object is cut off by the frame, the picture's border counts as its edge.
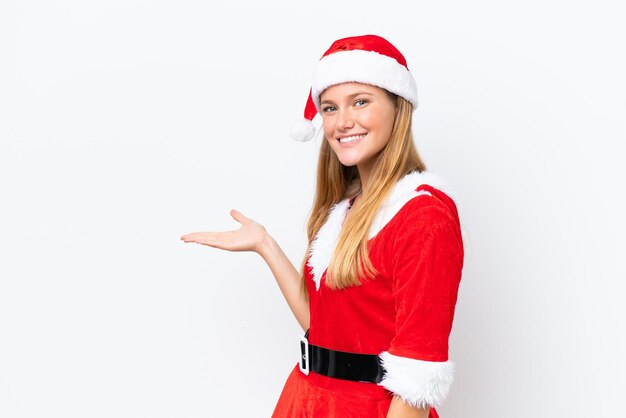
(288, 279)
(252, 236)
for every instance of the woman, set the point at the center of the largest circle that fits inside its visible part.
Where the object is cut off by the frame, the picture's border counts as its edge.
(379, 283)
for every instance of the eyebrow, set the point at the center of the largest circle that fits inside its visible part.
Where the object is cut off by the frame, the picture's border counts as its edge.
(349, 97)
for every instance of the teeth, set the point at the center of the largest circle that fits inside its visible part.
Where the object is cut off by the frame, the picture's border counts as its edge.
(351, 138)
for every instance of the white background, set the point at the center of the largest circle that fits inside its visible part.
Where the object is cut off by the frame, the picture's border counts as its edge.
(126, 124)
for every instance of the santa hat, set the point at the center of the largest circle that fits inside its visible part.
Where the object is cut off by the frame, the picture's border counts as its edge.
(368, 59)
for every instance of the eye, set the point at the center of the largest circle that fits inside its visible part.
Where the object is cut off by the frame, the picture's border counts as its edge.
(360, 102)
(327, 109)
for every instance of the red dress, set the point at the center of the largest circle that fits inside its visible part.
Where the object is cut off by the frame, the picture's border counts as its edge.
(404, 315)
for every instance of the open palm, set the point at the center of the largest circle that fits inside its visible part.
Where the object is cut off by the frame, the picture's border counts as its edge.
(247, 238)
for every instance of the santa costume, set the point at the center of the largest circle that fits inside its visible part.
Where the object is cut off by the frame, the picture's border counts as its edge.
(402, 317)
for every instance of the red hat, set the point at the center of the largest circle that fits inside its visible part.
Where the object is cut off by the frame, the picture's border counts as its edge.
(368, 59)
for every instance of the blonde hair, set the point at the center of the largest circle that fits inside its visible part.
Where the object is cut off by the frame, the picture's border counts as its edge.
(335, 182)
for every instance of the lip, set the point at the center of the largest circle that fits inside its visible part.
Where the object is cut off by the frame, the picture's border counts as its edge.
(353, 143)
(354, 134)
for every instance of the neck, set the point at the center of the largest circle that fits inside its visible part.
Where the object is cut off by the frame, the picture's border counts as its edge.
(364, 176)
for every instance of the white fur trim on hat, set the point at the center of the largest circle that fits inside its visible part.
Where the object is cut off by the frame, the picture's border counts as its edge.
(367, 67)
(419, 383)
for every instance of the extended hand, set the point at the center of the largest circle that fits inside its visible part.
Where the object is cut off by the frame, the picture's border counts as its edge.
(247, 238)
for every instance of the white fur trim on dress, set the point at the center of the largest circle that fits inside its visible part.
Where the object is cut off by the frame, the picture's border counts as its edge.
(324, 243)
(419, 383)
(367, 67)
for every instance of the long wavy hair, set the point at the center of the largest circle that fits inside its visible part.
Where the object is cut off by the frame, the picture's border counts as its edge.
(335, 182)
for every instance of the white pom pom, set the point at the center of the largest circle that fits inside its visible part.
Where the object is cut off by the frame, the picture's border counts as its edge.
(303, 130)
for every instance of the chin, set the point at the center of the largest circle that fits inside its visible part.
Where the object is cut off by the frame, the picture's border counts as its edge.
(348, 163)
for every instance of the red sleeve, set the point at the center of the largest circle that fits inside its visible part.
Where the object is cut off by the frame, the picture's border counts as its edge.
(426, 270)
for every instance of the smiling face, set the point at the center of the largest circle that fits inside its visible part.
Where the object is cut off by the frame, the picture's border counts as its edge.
(357, 121)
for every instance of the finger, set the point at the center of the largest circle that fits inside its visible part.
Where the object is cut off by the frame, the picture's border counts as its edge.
(221, 240)
(198, 237)
(187, 237)
(238, 216)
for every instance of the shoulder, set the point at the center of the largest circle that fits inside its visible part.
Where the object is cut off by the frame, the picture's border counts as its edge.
(431, 208)
(418, 199)
(427, 230)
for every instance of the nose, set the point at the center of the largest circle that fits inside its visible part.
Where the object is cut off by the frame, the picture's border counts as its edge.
(345, 120)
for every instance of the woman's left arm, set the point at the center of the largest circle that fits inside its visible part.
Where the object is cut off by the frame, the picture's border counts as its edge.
(427, 260)
(401, 409)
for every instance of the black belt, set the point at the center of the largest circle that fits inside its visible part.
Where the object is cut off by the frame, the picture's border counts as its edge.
(339, 364)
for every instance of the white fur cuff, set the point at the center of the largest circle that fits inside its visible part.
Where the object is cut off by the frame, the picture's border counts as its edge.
(420, 383)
